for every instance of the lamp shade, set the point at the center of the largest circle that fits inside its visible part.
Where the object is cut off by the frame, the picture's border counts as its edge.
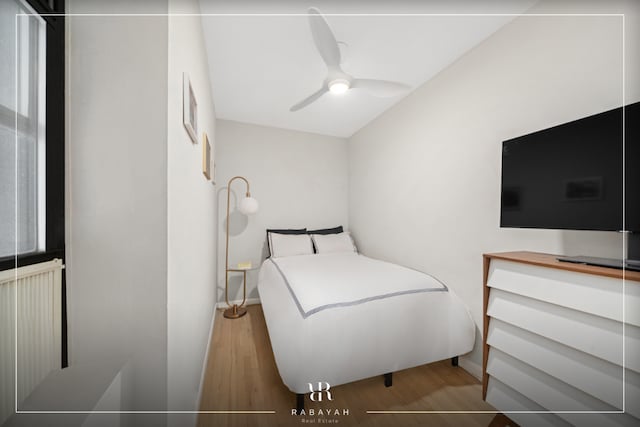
(248, 206)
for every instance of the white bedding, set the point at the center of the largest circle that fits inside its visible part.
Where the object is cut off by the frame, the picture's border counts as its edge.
(324, 281)
(351, 322)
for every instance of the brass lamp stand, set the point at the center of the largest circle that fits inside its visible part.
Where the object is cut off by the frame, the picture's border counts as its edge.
(234, 311)
(248, 205)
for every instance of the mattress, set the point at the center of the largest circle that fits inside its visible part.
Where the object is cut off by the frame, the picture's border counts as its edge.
(338, 318)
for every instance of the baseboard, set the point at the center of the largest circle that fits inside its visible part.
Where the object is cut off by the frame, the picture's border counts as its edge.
(222, 305)
(206, 359)
(471, 367)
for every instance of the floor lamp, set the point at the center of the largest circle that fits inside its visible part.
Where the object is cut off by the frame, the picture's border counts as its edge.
(247, 206)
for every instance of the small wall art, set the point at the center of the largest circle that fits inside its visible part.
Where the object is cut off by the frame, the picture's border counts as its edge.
(206, 156)
(190, 109)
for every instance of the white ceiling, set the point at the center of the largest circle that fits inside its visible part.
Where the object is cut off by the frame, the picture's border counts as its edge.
(260, 65)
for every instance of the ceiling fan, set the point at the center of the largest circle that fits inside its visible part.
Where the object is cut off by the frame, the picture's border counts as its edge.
(338, 81)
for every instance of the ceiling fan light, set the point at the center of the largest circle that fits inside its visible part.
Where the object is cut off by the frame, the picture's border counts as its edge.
(339, 86)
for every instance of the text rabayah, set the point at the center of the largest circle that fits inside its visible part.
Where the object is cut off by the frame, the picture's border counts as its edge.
(330, 412)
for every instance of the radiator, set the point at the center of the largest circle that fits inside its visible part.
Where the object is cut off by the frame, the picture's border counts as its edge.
(35, 291)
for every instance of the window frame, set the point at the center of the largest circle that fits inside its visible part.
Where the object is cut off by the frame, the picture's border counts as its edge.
(55, 137)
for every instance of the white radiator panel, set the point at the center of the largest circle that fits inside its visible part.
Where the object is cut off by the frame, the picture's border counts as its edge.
(7, 351)
(591, 334)
(594, 376)
(599, 295)
(38, 304)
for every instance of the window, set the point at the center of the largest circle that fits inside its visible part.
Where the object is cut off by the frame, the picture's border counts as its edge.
(22, 133)
(31, 132)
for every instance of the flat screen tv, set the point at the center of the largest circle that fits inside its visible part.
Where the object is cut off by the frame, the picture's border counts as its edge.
(581, 175)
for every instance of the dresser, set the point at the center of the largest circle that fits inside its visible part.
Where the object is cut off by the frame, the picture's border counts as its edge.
(561, 340)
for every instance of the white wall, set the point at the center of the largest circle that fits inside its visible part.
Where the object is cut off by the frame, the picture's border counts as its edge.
(116, 197)
(191, 216)
(425, 176)
(141, 238)
(299, 179)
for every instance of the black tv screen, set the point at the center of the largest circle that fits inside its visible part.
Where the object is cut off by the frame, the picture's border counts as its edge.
(571, 176)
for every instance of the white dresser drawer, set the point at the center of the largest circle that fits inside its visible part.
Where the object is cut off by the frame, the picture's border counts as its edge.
(529, 414)
(594, 376)
(515, 404)
(543, 389)
(598, 295)
(594, 335)
(561, 340)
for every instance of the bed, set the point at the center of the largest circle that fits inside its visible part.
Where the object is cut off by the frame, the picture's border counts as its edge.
(339, 317)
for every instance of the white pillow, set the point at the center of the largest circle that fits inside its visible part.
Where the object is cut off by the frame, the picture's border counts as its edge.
(289, 244)
(332, 243)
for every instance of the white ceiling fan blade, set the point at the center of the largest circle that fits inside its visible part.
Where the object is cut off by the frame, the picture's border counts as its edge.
(309, 99)
(323, 37)
(381, 88)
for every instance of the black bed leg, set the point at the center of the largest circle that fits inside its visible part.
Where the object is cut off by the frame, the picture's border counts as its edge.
(454, 361)
(388, 379)
(300, 402)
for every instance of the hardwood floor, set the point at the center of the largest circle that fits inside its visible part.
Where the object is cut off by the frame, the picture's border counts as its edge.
(241, 375)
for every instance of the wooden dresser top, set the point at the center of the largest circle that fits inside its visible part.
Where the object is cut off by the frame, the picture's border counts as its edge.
(549, 260)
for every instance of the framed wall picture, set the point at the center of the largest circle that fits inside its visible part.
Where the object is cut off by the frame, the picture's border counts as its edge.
(189, 109)
(206, 156)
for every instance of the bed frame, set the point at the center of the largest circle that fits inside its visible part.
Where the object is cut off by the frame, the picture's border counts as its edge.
(388, 382)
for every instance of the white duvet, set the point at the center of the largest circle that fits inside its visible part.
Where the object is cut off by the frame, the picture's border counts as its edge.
(323, 281)
(338, 318)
